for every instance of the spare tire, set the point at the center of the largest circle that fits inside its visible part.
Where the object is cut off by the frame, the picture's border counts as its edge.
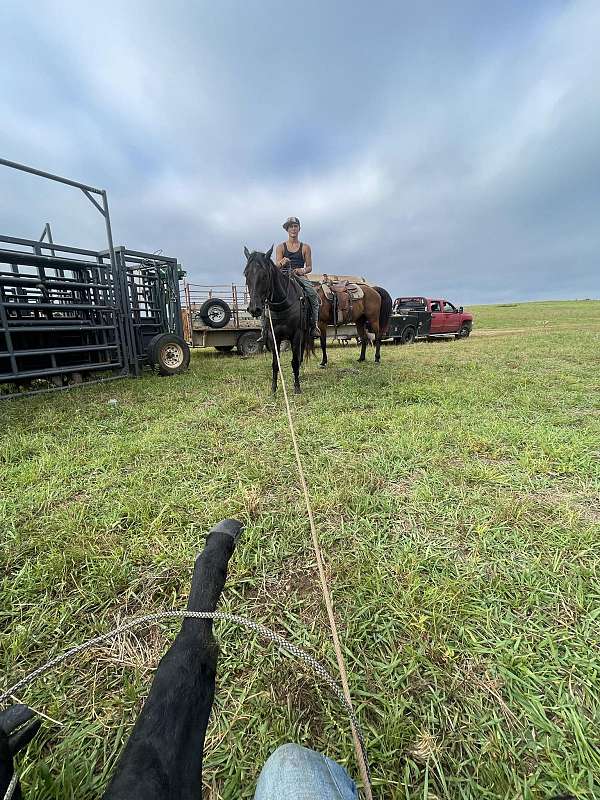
(215, 313)
(168, 353)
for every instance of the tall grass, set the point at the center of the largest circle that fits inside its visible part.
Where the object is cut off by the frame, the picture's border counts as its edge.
(456, 492)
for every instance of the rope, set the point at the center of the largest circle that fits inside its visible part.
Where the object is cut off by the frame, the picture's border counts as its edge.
(11, 786)
(262, 630)
(343, 696)
(358, 746)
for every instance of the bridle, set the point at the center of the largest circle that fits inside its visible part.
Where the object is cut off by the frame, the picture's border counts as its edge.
(282, 305)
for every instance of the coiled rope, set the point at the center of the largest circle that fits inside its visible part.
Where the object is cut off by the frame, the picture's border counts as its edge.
(265, 633)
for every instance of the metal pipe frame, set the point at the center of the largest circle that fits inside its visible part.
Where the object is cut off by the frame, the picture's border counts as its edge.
(144, 288)
(61, 388)
(87, 190)
(102, 207)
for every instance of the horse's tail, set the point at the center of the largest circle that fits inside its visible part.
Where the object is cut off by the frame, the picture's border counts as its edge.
(309, 344)
(385, 312)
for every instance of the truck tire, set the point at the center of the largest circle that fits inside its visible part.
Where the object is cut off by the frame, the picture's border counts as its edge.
(463, 332)
(168, 353)
(224, 348)
(408, 335)
(215, 313)
(248, 344)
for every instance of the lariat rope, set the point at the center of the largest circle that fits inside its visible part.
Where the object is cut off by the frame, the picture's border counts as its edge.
(359, 748)
(295, 651)
(11, 786)
(343, 696)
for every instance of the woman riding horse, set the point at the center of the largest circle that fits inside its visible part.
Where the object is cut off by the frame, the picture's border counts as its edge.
(277, 294)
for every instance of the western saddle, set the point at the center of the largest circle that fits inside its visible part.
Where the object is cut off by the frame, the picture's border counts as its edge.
(341, 294)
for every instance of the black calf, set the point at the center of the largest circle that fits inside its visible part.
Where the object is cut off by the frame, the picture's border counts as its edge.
(163, 757)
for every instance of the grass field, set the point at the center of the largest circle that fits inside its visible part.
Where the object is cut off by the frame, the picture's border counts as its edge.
(456, 492)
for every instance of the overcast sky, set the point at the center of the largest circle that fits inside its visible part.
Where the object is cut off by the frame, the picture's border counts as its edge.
(442, 148)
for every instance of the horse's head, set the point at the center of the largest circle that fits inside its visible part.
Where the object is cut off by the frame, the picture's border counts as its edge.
(258, 279)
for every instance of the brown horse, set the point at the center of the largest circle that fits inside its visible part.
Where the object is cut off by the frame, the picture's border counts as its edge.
(373, 310)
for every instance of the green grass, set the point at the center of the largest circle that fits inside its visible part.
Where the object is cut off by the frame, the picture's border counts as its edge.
(538, 316)
(456, 493)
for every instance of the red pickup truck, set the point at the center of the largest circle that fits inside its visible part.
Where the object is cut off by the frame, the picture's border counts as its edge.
(436, 317)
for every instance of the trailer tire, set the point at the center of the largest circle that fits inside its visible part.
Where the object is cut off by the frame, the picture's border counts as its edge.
(463, 332)
(248, 344)
(224, 348)
(215, 313)
(168, 353)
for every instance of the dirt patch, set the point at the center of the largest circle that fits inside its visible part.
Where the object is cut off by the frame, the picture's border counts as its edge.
(474, 674)
(301, 578)
(585, 506)
(404, 484)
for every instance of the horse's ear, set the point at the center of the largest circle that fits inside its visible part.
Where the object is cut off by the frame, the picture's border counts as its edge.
(269, 253)
(247, 253)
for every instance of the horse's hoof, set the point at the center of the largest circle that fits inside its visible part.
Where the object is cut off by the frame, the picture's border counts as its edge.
(297, 390)
(322, 366)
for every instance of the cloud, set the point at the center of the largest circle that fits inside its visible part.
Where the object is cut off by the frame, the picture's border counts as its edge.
(436, 149)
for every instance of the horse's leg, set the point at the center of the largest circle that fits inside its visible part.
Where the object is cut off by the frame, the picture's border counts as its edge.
(374, 323)
(297, 346)
(324, 310)
(275, 367)
(362, 334)
(323, 329)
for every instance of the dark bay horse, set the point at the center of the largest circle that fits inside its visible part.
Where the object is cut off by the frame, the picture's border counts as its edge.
(274, 290)
(373, 309)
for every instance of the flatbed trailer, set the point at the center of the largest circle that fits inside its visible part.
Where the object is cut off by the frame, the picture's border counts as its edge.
(217, 316)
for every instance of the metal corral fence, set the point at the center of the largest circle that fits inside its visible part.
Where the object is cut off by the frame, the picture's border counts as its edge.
(67, 314)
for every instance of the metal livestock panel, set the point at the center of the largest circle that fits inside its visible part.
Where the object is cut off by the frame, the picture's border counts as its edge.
(59, 314)
(71, 315)
(150, 286)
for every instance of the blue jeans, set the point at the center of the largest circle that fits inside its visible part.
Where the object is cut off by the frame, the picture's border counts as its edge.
(296, 773)
(311, 296)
